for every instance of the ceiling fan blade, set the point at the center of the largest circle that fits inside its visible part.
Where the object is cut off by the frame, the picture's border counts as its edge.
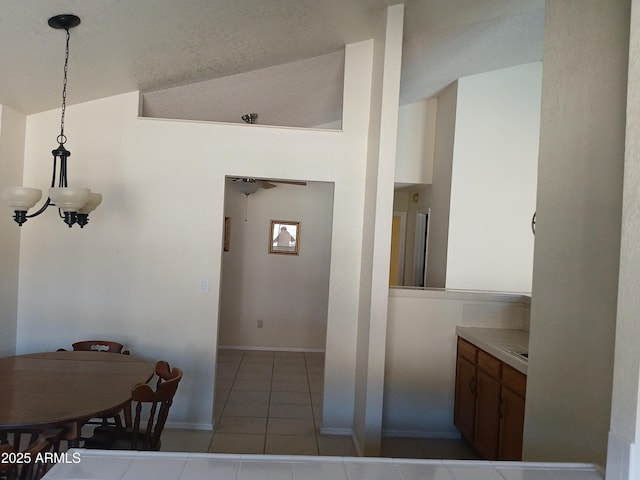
(290, 182)
(267, 183)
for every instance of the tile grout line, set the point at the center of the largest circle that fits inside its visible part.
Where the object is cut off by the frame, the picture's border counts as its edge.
(266, 427)
(224, 406)
(313, 412)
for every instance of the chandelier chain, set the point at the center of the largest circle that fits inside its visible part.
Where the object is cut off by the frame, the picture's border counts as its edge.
(62, 138)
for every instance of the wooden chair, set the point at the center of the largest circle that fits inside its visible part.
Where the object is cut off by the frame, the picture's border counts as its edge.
(98, 346)
(37, 465)
(150, 404)
(18, 439)
(163, 373)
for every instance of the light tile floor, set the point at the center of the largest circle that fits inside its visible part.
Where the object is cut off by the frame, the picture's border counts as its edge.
(270, 403)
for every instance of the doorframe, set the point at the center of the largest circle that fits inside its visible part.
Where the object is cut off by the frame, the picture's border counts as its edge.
(401, 249)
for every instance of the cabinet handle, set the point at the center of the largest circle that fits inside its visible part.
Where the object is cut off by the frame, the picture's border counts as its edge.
(473, 386)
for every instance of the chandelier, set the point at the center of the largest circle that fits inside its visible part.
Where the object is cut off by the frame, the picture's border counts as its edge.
(74, 204)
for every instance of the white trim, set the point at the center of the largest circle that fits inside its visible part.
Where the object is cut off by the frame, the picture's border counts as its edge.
(401, 247)
(421, 434)
(335, 431)
(621, 458)
(271, 349)
(343, 432)
(359, 450)
(461, 295)
(189, 426)
(421, 244)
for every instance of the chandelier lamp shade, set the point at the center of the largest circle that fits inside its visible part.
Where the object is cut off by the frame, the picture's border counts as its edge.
(74, 204)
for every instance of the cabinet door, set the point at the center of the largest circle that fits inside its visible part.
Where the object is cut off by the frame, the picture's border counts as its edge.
(511, 426)
(465, 401)
(487, 421)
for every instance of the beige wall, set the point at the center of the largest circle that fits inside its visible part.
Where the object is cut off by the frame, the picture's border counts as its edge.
(575, 274)
(12, 131)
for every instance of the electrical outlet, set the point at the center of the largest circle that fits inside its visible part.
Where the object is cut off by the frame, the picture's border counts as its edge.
(260, 324)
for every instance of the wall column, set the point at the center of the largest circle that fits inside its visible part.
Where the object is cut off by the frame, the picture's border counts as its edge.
(576, 255)
(624, 434)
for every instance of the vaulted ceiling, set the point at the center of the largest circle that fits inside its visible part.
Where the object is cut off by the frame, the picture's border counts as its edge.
(218, 59)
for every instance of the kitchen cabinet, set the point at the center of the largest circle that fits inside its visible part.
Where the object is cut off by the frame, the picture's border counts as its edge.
(465, 405)
(489, 403)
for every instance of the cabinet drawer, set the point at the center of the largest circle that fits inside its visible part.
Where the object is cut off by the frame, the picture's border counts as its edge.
(514, 380)
(489, 364)
(467, 350)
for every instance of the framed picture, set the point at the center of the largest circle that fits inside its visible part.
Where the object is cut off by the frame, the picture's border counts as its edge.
(227, 233)
(284, 237)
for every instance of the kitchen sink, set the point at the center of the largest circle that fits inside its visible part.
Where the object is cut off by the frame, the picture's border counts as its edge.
(518, 352)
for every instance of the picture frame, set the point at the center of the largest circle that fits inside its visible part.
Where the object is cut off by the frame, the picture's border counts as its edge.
(284, 237)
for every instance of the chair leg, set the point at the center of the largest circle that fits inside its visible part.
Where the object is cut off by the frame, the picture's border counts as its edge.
(128, 416)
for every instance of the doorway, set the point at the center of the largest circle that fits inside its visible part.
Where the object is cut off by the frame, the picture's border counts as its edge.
(421, 245)
(272, 303)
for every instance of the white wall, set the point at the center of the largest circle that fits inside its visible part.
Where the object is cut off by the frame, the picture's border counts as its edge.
(346, 242)
(374, 280)
(421, 354)
(12, 131)
(494, 176)
(575, 275)
(416, 139)
(134, 273)
(289, 293)
(441, 191)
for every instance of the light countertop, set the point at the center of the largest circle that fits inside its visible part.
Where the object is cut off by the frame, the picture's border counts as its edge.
(127, 465)
(499, 342)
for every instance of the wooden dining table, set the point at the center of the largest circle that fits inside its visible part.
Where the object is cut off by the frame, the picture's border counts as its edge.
(39, 391)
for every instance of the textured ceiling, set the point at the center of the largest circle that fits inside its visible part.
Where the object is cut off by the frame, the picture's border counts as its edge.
(299, 94)
(229, 57)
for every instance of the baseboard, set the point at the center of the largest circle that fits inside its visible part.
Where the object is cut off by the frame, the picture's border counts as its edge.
(189, 426)
(356, 444)
(421, 434)
(621, 458)
(344, 432)
(271, 349)
(335, 431)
